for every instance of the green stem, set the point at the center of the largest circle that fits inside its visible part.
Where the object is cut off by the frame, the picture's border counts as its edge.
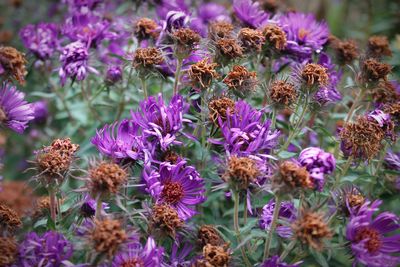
(274, 222)
(236, 226)
(288, 249)
(356, 102)
(343, 172)
(177, 75)
(144, 87)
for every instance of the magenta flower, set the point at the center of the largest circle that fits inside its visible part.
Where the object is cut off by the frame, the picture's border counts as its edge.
(175, 20)
(392, 161)
(113, 74)
(369, 237)
(177, 185)
(318, 163)
(41, 111)
(15, 112)
(250, 13)
(274, 261)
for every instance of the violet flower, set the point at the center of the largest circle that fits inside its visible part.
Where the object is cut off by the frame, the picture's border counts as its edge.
(384, 121)
(274, 261)
(113, 74)
(250, 13)
(175, 20)
(41, 112)
(392, 161)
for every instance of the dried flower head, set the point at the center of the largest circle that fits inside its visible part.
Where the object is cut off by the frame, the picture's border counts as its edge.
(373, 70)
(240, 172)
(165, 219)
(362, 138)
(348, 199)
(42, 207)
(220, 29)
(269, 5)
(275, 36)
(217, 256)
(147, 58)
(146, 28)
(106, 178)
(185, 42)
(291, 176)
(9, 219)
(315, 74)
(171, 157)
(228, 49)
(202, 73)
(282, 93)
(241, 81)
(8, 251)
(311, 229)
(207, 234)
(218, 108)
(16, 195)
(107, 236)
(394, 111)
(12, 64)
(346, 50)
(378, 46)
(384, 93)
(251, 40)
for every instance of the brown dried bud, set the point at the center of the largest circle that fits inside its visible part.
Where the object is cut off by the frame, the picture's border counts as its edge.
(275, 36)
(228, 49)
(107, 236)
(269, 5)
(251, 40)
(240, 172)
(218, 108)
(311, 229)
(165, 218)
(362, 138)
(171, 156)
(6, 36)
(373, 70)
(346, 51)
(186, 37)
(384, 93)
(282, 93)
(202, 73)
(146, 28)
(241, 81)
(215, 256)
(147, 58)
(355, 200)
(8, 251)
(394, 111)
(9, 219)
(208, 235)
(291, 176)
(107, 178)
(220, 29)
(13, 64)
(16, 195)
(315, 74)
(378, 46)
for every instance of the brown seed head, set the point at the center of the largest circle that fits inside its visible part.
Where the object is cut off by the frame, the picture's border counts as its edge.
(9, 219)
(240, 172)
(355, 199)
(218, 108)
(346, 51)
(393, 110)
(269, 5)
(291, 176)
(378, 46)
(146, 28)
(241, 81)
(251, 40)
(202, 73)
(16, 195)
(385, 93)
(107, 178)
(8, 251)
(220, 29)
(373, 70)
(315, 74)
(216, 256)
(282, 93)
(13, 62)
(107, 236)
(275, 36)
(147, 58)
(186, 37)
(165, 219)
(208, 235)
(311, 229)
(362, 138)
(228, 49)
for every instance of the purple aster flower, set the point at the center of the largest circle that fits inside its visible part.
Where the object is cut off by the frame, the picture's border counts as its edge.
(179, 253)
(274, 261)
(392, 161)
(121, 141)
(49, 249)
(318, 163)
(329, 93)
(74, 62)
(246, 133)
(369, 237)
(304, 34)
(15, 112)
(384, 122)
(175, 20)
(89, 205)
(114, 74)
(135, 255)
(250, 13)
(165, 6)
(161, 123)
(40, 39)
(41, 111)
(177, 185)
(287, 212)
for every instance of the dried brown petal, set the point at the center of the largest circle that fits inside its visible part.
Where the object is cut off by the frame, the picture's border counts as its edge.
(17, 195)
(315, 74)
(165, 218)
(107, 236)
(378, 46)
(146, 28)
(275, 36)
(218, 108)
(107, 178)
(373, 70)
(220, 29)
(13, 62)
(346, 50)
(251, 40)
(228, 49)
(8, 251)
(9, 219)
(282, 93)
(241, 81)
(208, 235)
(147, 58)
(202, 73)
(241, 171)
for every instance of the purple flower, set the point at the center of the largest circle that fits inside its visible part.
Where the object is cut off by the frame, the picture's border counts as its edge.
(123, 143)
(175, 20)
(161, 123)
(369, 238)
(392, 161)
(89, 205)
(148, 256)
(318, 163)
(384, 122)
(41, 111)
(15, 112)
(287, 212)
(40, 39)
(246, 133)
(304, 34)
(170, 5)
(250, 13)
(114, 74)
(177, 185)
(329, 93)
(274, 261)
(49, 249)
(74, 62)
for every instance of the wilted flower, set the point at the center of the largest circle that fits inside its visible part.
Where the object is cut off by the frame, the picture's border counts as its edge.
(346, 50)
(9, 219)
(348, 199)
(214, 256)
(282, 93)
(378, 46)
(146, 59)
(250, 13)
(165, 220)
(220, 29)
(179, 186)
(146, 28)
(227, 49)
(12, 64)
(8, 251)
(373, 70)
(275, 36)
(384, 93)
(287, 212)
(251, 40)
(202, 73)
(40, 39)
(384, 121)
(393, 109)
(106, 178)
(107, 236)
(274, 261)
(241, 81)
(241, 171)
(314, 75)
(291, 176)
(369, 238)
(207, 234)
(15, 112)
(186, 41)
(51, 247)
(218, 108)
